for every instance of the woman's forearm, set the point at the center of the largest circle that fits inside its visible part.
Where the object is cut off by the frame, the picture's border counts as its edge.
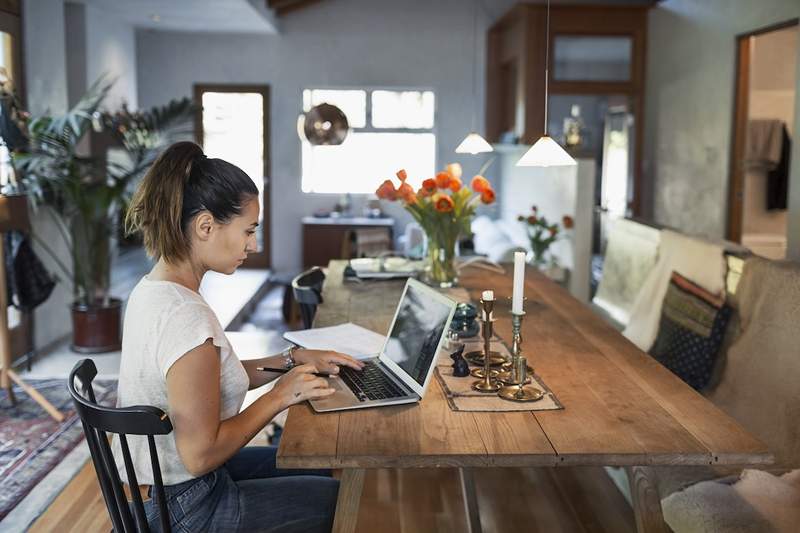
(232, 434)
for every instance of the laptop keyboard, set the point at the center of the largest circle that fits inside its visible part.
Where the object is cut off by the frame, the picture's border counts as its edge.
(370, 383)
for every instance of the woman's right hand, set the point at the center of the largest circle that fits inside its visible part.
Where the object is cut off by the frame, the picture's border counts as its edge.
(300, 384)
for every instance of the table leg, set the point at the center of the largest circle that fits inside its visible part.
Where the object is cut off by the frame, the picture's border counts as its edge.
(470, 500)
(350, 485)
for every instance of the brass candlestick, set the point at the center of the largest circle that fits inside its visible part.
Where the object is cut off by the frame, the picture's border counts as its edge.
(488, 383)
(521, 392)
(510, 375)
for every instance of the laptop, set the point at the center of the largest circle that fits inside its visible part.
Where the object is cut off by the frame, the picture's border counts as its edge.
(402, 370)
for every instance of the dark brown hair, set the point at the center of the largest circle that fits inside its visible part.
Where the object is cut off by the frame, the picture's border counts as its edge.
(181, 183)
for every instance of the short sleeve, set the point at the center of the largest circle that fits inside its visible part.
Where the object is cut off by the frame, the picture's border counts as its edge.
(186, 328)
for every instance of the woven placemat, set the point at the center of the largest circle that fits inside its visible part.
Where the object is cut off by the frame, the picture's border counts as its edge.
(461, 397)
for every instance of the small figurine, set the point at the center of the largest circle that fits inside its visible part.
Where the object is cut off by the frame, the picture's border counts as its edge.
(460, 365)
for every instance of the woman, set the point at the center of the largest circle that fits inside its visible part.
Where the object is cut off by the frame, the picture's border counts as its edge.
(198, 214)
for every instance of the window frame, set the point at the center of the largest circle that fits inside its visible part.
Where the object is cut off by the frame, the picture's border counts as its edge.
(263, 258)
(369, 128)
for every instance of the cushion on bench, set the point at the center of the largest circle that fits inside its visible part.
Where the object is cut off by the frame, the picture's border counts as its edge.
(701, 261)
(759, 382)
(629, 257)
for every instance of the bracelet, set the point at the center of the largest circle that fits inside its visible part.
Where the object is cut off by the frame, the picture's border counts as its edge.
(288, 355)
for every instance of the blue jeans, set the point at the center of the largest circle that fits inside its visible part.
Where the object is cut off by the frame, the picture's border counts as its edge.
(248, 493)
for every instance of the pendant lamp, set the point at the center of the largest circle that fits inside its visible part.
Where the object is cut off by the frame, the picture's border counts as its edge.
(473, 143)
(546, 152)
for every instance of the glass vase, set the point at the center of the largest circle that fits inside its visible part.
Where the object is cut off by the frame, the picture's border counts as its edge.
(440, 268)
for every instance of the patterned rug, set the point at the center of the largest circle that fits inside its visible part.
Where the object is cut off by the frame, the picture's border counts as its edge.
(31, 442)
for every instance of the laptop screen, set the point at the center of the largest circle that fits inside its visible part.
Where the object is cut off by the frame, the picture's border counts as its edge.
(416, 333)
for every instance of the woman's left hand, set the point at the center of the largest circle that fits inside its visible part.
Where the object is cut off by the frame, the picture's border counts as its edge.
(326, 361)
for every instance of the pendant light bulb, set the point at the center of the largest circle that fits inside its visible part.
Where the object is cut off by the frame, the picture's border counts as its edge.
(474, 144)
(546, 152)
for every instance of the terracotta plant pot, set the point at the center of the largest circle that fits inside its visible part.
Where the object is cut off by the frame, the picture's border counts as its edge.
(96, 329)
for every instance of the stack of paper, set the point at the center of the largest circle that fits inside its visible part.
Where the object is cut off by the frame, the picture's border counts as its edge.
(348, 338)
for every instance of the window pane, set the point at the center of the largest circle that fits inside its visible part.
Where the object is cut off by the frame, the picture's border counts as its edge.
(364, 160)
(402, 109)
(7, 54)
(594, 58)
(233, 130)
(353, 103)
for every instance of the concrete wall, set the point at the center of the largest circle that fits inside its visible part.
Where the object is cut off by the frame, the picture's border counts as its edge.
(689, 109)
(342, 43)
(46, 80)
(111, 51)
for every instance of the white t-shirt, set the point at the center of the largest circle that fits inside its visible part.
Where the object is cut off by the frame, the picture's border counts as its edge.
(163, 321)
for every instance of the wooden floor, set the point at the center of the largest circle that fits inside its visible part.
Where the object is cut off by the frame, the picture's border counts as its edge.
(422, 500)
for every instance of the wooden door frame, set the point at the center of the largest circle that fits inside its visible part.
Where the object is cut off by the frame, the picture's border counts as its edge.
(261, 259)
(739, 133)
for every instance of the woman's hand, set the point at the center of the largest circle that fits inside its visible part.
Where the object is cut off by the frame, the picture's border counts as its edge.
(325, 360)
(300, 384)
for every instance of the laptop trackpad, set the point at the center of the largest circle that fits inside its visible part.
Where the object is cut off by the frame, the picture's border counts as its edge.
(343, 397)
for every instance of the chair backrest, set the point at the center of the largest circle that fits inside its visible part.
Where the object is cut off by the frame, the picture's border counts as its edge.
(307, 289)
(137, 420)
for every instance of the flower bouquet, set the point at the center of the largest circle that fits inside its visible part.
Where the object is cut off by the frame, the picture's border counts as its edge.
(443, 207)
(542, 233)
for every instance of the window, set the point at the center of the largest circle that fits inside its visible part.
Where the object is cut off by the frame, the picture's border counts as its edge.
(233, 120)
(389, 130)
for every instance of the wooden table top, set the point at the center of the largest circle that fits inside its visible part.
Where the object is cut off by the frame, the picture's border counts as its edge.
(621, 407)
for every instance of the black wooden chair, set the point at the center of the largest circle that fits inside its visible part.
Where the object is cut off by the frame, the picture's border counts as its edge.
(307, 289)
(137, 420)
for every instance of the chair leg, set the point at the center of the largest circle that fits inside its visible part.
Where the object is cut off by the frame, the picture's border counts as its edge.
(645, 500)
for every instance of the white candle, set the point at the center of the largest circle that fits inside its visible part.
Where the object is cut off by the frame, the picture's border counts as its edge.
(487, 296)
(519, 281)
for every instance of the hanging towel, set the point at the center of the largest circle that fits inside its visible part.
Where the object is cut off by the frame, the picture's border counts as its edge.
(764, 144)
(778, 177)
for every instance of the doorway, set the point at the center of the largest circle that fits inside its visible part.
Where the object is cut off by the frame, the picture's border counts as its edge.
(763, 136)
(232, 123)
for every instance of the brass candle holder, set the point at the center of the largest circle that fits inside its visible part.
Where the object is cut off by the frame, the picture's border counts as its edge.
(509, 375)
(488, 383)
(521, 392)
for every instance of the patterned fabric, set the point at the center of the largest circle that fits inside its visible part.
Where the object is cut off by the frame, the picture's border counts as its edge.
(31, 442)
(690, 332)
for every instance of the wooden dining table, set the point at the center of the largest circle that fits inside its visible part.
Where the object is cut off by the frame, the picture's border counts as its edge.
(621, 407)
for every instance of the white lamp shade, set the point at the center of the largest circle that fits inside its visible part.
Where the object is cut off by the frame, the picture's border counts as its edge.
(546, 153)
(473, 144)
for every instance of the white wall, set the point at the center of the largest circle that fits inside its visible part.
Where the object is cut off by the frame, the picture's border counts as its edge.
(342, 43)
(689, 109)
(111, 51)
(46, 82)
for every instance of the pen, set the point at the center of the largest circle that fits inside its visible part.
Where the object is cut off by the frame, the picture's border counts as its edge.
(285, 370)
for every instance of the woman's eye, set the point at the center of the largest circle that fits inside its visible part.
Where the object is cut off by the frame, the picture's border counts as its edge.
(251, 232)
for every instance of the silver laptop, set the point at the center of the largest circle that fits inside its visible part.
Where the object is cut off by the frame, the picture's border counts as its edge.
(403, 369)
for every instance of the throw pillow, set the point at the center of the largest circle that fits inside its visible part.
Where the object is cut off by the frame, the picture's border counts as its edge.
(690, 332)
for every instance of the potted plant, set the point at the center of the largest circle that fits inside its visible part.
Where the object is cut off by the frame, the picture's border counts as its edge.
(444, 207)
(88, 192)
(542, 234)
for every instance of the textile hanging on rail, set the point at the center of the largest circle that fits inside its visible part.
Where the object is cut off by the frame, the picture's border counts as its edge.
(768, 149)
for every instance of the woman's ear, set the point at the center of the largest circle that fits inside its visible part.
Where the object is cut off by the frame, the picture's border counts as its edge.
(203, 225)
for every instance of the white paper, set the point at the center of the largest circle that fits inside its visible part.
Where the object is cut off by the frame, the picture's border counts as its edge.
(348, 338)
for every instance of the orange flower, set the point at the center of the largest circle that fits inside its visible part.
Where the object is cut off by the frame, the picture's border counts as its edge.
(455, 184)
(487, 196)
(387, 191)
(443, 180)
(443, 203)
(553, 230)
(429, 186)
(480, 184)
(455, 170)
(568, 222)
(406, 192)
(401, 175)
(532, 220)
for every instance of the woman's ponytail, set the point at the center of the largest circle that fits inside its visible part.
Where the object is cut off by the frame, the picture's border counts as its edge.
(156, 208)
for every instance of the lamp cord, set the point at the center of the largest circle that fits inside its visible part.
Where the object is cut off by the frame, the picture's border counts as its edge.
(546, 65)
(475, 66)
